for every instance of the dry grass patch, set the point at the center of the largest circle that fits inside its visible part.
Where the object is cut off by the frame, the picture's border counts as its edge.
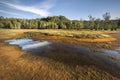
(19, 65)
(85, 36)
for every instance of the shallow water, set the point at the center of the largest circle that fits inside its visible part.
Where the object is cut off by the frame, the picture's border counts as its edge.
(71, 54)
(27, 44)
(112, 53)
(31, 45)
(118, 49)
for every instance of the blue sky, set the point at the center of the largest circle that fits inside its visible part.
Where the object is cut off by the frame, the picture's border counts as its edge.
(72, 9)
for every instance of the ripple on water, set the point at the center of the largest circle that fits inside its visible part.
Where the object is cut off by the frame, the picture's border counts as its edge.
(112, 53)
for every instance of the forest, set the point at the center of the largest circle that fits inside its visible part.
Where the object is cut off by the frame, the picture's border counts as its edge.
(61, 22)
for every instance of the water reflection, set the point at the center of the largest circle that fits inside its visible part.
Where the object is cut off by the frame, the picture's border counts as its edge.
(118, 49)
(112, 53)
(27, 44)
(45, 46)
(71, 54)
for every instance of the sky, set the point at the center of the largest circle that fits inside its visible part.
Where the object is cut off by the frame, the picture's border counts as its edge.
(72, 9)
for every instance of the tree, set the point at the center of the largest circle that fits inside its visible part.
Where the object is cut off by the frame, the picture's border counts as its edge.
(2, 22)
(15, 24)
(81, 23)
(106, 17)
(118, 24)
(61, 25)
(97, 24)
(1, 25)
(1, 18)
(113, 25)
(91, 22)
(69, 25)
(60, 22)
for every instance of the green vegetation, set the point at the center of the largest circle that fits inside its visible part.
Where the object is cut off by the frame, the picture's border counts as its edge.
(61, 22)
(75, 34)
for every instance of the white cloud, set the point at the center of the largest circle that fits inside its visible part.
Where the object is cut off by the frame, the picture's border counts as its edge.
(13, 1)
(41, 12)
(46, 4)
(6, 12)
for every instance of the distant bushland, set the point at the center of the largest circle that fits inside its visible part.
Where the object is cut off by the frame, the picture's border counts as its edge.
(61, 22)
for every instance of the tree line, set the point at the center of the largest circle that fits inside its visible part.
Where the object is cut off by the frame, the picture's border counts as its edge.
(61, 22)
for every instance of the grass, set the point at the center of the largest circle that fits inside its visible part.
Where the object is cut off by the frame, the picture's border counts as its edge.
(16, 64)
(75, 34)
(67, 33)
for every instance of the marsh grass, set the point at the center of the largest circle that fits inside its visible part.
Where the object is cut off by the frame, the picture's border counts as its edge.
(85, 36)
(77, 35)
(16, 64)
(19, 65)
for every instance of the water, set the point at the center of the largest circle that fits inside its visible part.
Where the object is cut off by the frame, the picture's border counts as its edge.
(31, 45)
(39, 47)
(27, 44)
(112, 53)
(118, 49)
(71, 54)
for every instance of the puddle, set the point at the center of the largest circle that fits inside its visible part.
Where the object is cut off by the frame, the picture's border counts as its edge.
(45, 47)
(31, 45)
(112, 53)
(70, 54)
(118, 49)
(27, 44)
